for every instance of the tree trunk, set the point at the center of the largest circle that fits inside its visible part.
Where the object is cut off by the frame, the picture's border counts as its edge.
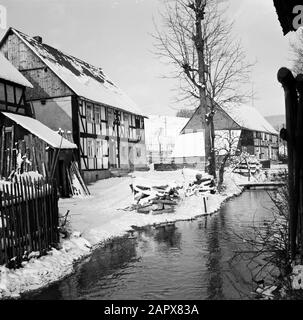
(221, 171)
(213, 166)
(199, 44)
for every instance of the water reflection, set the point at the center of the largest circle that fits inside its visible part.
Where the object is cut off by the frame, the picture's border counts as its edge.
(169, 236)
(215, 283)
(190, 260)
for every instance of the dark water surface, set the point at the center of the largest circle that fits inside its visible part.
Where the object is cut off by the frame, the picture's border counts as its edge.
(189, 261)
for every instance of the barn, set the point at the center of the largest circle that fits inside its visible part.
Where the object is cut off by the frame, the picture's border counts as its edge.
(242, 124)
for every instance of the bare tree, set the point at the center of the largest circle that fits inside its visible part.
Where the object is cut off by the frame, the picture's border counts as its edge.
(226, 147)
(297, 50)
(185, 113)
(210, 64)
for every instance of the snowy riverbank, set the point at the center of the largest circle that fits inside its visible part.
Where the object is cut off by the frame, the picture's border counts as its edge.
(101, 217)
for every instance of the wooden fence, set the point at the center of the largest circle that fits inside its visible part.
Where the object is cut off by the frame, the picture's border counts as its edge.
(29, 218)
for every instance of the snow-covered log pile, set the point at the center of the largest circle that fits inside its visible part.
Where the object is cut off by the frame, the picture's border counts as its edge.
(202, 185)
(248, 165)
(155, 199)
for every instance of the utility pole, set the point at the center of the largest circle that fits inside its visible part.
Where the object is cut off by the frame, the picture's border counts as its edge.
(199, 8)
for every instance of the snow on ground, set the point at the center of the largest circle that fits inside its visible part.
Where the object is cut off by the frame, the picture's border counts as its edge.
(101, 217)
(37, 273)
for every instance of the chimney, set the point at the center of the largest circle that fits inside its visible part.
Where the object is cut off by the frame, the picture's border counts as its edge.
(38, 39)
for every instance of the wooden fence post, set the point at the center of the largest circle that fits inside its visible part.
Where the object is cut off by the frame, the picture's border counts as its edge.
(286, 78)
(299, 169)
(3, 226)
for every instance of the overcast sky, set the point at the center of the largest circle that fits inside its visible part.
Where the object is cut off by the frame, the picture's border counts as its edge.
(115, 35)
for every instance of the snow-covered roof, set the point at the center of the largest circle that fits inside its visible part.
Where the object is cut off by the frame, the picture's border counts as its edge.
(81, 77)
(41, 131)
(162, 129)
(249, 118)
(189, 145)
(9, 73)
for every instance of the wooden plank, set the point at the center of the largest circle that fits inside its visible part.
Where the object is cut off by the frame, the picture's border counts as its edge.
(70, 180)
(45, 212)
(32, 213)
(78, 175)
(41, 217)
(18, 221)
(12, 148)
(23, 231)
(35, 199)
(2, 235)
(4, 225)
(2, 146)
(43, 207)
(8, 228)
(28, 225)
(50, 212)
(10, 219)
(55, 209)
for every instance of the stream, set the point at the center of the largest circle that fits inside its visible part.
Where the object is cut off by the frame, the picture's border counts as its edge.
(187, 260)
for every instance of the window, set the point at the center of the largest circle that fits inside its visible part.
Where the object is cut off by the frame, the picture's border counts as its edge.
(89, 112)
(99, 148)
(101, 153)
(134, 127)
(19, 92)
(90, 148)
(101, 120)
(97, 114)
(103, 114)
(132, 133)
(2, 94)
(122, 126)
(10, 93)
(105, 148)
(141, 122)
(103, 128)
(137, 124)
(81, 108)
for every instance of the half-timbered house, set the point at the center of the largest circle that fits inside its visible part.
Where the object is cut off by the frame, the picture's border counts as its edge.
(244, 124)
(78, 98)
(26, 144)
